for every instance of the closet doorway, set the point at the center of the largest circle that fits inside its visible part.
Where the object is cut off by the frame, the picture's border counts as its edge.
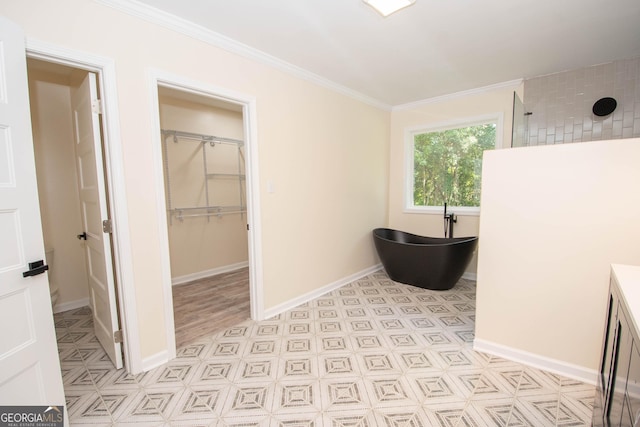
(74, 195)
(203, 154)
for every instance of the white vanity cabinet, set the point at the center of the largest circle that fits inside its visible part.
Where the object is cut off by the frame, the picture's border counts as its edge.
(617, 400)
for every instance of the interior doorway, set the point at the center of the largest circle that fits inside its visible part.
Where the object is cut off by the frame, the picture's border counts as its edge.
(74, 199)
(205, 189)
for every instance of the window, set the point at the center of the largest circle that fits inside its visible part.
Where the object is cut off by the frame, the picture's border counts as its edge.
(444, 164)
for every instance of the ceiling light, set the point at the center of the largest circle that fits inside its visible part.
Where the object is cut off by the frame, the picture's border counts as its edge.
(387, 7)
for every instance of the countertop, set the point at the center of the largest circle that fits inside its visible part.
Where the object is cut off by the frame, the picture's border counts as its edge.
(628, 280)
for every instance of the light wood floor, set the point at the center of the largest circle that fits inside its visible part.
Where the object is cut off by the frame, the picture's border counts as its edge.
(206, 306)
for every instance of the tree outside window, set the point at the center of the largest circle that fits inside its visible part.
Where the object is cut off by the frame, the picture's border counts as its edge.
(447, 164)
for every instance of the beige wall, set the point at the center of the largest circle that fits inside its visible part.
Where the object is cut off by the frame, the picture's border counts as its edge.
(50, 99)
(325, 153)
(201, 244)
(553, 219)
(446, 109)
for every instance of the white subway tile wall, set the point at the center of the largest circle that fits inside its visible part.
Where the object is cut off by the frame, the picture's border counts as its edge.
(561, 104)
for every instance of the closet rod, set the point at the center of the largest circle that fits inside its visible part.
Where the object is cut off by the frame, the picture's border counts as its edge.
(199, 137)
(208, 208)
(218, 214)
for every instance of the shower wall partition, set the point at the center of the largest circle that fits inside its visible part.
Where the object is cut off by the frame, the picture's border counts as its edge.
(519, 128)
(561, 105)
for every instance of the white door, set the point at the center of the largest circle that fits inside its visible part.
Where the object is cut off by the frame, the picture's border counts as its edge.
(29, 364)
(93, 202)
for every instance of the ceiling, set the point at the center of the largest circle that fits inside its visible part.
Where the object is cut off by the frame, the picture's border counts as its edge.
(432, 48)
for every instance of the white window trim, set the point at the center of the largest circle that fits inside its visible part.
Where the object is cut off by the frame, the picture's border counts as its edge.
(409, 138)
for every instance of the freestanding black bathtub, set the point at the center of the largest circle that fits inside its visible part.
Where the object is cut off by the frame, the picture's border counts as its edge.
(428, 262)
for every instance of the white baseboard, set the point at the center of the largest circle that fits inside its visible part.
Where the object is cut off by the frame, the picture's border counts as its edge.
(181, 280)
(155, 360)
(288, 305)
(71, 305)
(470, 276)
(555, 366)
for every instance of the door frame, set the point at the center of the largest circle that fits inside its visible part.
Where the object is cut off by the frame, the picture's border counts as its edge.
(105, 70)
(159, 78)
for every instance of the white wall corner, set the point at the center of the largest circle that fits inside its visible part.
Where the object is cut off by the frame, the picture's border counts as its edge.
(295, 302)
(537, 361)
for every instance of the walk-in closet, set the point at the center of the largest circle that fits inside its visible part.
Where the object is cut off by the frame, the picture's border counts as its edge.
(205, 193)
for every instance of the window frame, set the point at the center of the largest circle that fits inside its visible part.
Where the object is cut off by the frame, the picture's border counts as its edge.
(409, 139)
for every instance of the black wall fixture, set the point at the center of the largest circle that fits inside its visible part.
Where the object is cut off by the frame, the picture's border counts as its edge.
(604, 106)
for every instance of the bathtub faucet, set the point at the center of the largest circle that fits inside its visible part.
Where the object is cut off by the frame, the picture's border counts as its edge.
(449, 220)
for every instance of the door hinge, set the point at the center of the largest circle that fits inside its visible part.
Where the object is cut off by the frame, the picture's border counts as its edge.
(107, 226)
(96, 106)
(117, 336)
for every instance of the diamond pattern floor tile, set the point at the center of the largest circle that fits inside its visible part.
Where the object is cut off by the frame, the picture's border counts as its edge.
(372, 353)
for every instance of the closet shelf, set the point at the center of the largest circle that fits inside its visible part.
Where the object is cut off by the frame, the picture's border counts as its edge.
(225, 175)
(207, 208)
(207, 211)
(210, 209)
(178, 134)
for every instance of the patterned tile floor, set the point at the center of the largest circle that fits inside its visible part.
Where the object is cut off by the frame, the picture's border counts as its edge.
(372, 353)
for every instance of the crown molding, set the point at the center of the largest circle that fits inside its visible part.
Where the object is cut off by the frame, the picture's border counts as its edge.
(455, 95)
(188, 28)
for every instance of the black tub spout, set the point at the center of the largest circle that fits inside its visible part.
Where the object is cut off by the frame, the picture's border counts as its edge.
(449, 220)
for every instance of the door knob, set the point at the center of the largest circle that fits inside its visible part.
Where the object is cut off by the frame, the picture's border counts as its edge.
(35, 268)
(82, 236)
